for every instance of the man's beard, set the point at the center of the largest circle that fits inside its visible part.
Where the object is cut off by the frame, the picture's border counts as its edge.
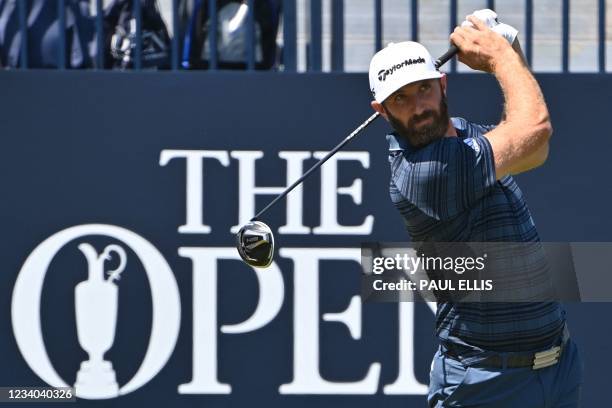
(426, 133)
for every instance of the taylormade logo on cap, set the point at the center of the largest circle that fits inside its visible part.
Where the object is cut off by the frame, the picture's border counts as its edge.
(397, 65)
(383, 73)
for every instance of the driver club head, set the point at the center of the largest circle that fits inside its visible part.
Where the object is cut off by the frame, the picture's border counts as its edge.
(255, 244)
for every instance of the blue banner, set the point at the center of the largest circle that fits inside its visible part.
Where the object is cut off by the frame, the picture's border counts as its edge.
(122, 196)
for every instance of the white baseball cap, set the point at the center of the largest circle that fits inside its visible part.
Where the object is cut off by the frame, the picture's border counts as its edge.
(400, 64)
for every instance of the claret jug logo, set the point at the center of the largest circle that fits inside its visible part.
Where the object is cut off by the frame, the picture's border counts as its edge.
(96, 302)
(96, 308)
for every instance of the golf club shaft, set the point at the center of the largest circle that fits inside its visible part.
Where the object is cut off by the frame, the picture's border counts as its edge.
(319, 163)
(439, 62)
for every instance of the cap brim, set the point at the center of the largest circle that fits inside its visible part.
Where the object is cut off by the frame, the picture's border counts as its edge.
(431, 75)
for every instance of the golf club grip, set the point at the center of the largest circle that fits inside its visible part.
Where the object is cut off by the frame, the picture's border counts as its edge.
(452, 51)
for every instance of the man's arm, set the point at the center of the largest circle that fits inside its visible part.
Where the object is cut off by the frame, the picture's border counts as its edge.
(520, 141)
(516, 46)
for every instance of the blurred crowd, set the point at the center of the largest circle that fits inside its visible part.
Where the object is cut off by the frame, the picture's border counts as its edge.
(119, 34)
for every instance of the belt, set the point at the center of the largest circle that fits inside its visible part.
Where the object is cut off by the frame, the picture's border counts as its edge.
(537, 360)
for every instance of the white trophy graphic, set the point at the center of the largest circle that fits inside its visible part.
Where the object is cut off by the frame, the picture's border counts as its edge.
(96, 301)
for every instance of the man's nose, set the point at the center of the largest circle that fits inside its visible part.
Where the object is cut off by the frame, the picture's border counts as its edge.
(420, 106)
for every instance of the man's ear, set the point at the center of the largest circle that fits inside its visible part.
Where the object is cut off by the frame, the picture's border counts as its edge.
(443, 83)
(379, 108)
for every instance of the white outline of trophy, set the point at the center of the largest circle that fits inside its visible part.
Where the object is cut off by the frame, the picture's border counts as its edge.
(96, 302)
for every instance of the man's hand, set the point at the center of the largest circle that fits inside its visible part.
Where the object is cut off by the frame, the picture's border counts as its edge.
(489, 17)
(481, 48)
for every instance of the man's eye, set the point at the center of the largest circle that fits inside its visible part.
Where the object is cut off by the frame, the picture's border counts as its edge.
(399, 98)
(425, 87)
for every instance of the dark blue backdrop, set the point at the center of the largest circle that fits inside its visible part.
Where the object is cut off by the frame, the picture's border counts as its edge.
(84, 147)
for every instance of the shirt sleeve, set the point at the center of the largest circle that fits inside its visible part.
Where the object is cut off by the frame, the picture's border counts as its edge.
(446, 177)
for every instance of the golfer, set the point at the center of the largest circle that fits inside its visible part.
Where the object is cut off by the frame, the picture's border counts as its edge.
(451, 180)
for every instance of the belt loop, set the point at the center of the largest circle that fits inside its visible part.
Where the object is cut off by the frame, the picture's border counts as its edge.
(504, 358)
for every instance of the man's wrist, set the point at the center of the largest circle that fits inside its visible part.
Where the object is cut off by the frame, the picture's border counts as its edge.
(505, 60)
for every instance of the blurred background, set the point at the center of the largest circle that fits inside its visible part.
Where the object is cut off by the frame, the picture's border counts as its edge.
(284, 35)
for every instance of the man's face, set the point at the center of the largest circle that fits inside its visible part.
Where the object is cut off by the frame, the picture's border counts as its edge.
(418, 112)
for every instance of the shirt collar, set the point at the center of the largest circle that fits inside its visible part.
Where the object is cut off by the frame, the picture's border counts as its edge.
(397, 142)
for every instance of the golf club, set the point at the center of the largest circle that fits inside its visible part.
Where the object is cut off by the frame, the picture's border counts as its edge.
(255, 241)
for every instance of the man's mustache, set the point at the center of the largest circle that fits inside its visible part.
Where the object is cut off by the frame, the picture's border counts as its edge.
(418, 118)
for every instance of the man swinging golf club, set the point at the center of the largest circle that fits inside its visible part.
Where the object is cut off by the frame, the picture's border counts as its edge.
(451, 180)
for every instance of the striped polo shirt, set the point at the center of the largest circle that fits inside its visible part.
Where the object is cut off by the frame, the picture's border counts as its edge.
(447, 192)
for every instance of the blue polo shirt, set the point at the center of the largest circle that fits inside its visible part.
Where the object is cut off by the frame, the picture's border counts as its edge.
(447, 192)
